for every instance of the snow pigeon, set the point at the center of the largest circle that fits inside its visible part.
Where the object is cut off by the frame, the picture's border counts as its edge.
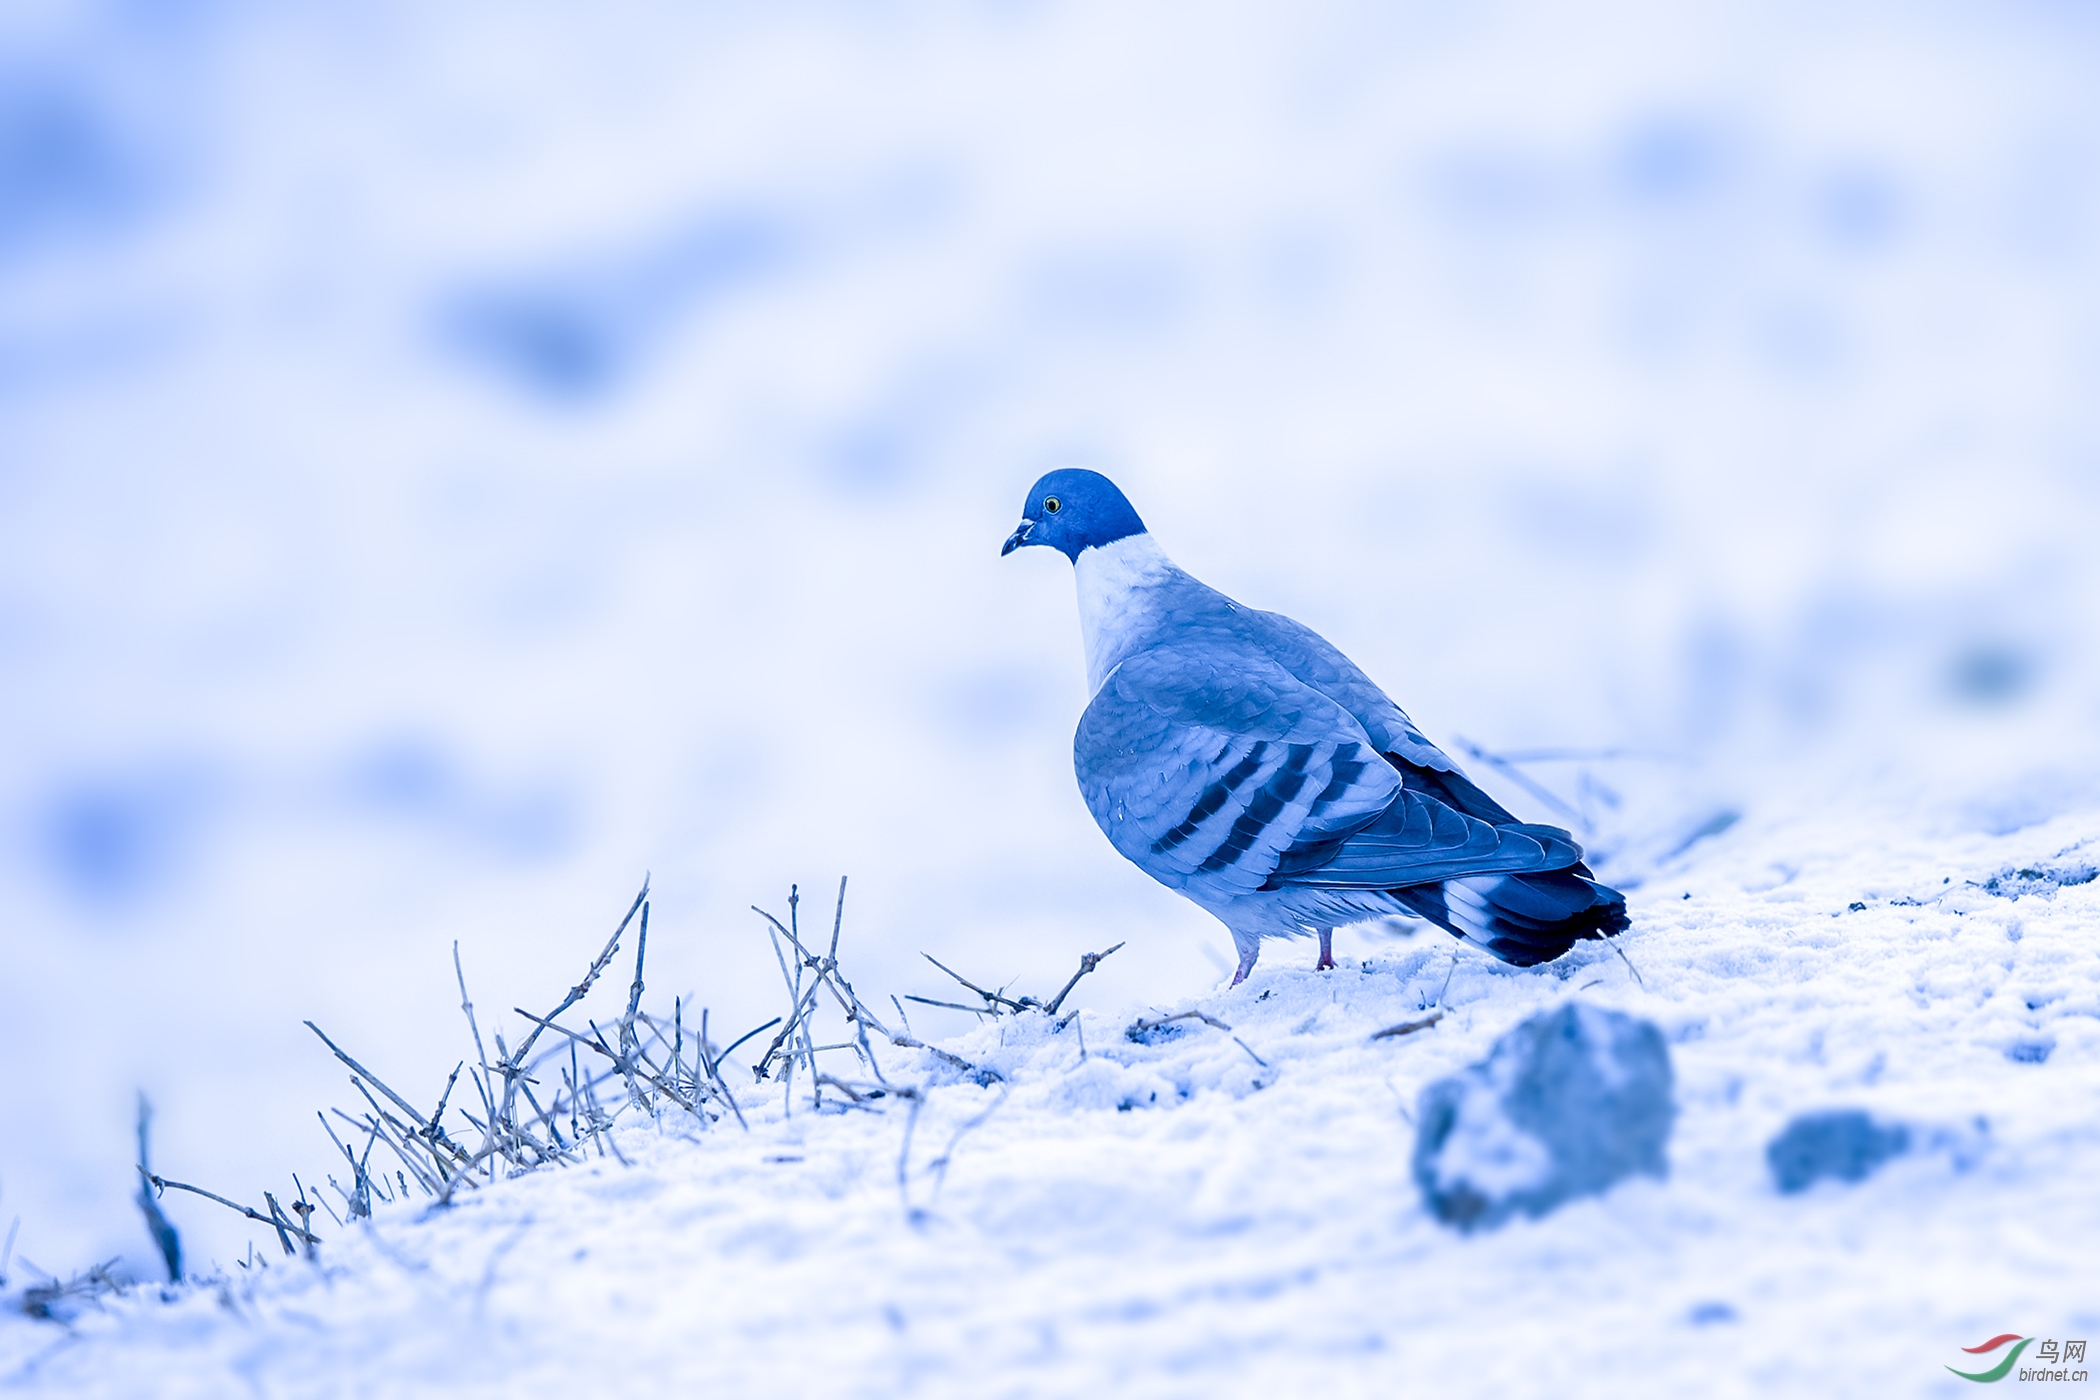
(1236, 756)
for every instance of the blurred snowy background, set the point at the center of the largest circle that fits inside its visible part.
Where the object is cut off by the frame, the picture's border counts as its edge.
(456, 458)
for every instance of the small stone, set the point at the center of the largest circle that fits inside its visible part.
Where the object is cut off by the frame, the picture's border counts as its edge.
(1843, 1143)
(1566, 1104)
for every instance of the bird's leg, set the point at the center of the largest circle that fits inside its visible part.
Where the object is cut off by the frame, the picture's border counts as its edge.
(1249, 951)
(1326, 962)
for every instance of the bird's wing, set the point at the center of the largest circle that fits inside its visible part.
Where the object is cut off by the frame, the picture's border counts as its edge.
(1204, 764)
(1320, 664)
(1217, 771)
(1418, 840)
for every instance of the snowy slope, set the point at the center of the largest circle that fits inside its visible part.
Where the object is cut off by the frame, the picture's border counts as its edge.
(454, 458)
(1180, 1217)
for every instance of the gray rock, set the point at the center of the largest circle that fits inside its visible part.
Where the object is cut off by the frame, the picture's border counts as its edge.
(1566, 1104)
(1842, 1143)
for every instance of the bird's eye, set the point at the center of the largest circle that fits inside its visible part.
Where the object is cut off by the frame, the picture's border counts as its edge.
(1052, 505)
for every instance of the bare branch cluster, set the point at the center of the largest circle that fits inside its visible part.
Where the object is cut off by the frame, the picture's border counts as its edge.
(536, 1110)
(555, 1106)
(824, 976)
(57, 1300)
(532, 1118)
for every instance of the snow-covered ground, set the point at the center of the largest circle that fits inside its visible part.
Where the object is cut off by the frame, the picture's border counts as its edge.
(454, 459)
(1206, 1212)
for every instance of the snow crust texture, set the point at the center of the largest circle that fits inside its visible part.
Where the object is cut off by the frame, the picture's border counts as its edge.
(1567, 1104)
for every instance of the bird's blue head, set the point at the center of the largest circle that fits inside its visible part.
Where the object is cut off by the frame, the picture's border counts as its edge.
(1072, 510)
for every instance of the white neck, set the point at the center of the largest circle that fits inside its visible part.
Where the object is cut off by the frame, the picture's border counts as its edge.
(1115, 598)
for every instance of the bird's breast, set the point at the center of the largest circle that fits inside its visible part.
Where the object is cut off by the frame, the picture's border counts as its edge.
(1118, 585)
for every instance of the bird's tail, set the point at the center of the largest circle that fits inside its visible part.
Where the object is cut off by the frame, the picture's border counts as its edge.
(1521, 919)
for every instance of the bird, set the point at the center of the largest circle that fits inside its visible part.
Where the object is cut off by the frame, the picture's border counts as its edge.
(1240, 759)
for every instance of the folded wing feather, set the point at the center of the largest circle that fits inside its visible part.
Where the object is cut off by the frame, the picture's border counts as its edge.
(1219, 770)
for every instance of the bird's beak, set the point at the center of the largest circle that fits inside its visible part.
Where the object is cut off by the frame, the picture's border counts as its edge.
(1018, 538)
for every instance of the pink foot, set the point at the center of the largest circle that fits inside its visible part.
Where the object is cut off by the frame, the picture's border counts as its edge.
(1246, 966)
(1326, 962)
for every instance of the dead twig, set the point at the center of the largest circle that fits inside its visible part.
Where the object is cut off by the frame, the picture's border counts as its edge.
(1509, 770)
(604, 1124)
(1613, 944)
(1589, 755)
(1449, 972)
(1087, 963)
(981, 1075)
(47, 1300)
(992, 1000)
(399, 1140)
(764, 1066)
(857, 1096)
(281, 1225)
(590, 977)
(916, 1099)
(939, 1165)
(1138, 1028)
(439, 1115)
(466, 1004)
(948, 1005)
(157, 1223)
(838, 918)
(713, 1065)
(629, 1047)
(800, 1005)
(744, 1037)
(360, 1203)
(1408, 1027)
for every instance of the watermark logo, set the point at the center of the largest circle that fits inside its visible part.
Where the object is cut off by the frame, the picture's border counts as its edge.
(2055, 1360)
